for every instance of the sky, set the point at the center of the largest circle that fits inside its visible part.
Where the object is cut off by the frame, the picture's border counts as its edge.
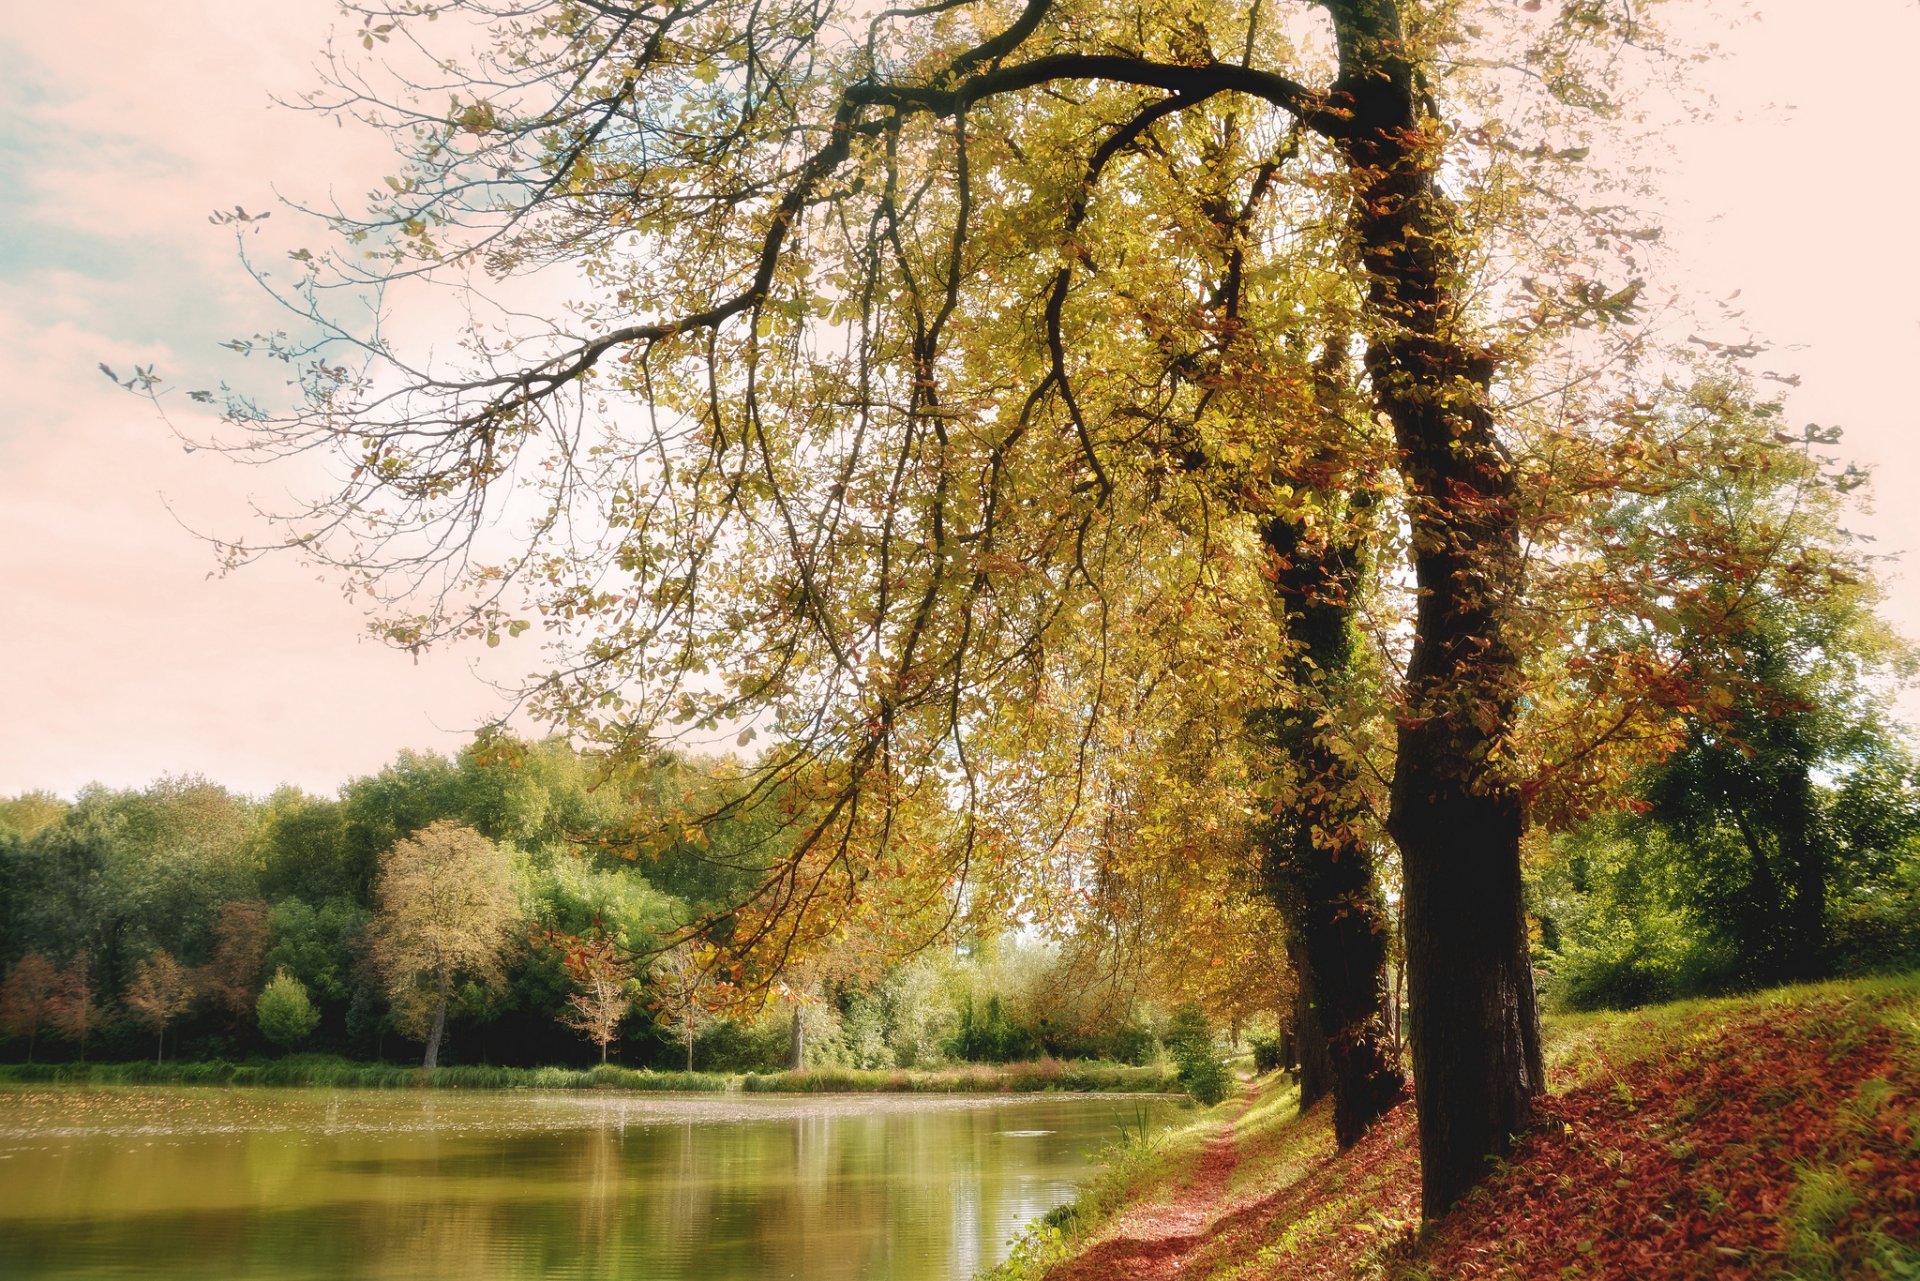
(123, 124)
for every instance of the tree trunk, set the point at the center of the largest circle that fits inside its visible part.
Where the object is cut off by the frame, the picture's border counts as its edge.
(1806, 851)
(797, 1056)
(1315, 858)
(432, 1060)
(1316, 1066)
(160, 1047)
(1455, 816)
(689, 1036)
(1765, 931)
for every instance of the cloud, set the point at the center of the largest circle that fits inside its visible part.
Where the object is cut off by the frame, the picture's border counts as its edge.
(127, 123)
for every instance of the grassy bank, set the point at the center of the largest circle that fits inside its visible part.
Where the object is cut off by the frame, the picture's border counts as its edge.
(1768, 1136)
(336, 1073)
(976, 1078)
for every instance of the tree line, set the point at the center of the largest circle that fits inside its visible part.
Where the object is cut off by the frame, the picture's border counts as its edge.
(478, 903)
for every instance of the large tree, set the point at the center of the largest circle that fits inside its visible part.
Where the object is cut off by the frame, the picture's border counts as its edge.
(76, 1013)
(230, 980)
(445, 907)
(1738, 587)
(900, 356)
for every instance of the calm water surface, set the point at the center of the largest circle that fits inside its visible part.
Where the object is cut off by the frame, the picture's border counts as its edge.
(223, 1183)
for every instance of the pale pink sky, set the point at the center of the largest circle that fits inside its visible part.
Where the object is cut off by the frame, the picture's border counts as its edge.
(126, 123)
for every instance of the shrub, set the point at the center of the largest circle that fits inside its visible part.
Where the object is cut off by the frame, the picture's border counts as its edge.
(286, 1015)
(1131, 1042)
(1190, 1041)
(1267, 1054)
(730, 1046)
(1878, 927)
(990, 1035)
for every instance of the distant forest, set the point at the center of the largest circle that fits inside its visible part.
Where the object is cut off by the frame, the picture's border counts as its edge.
(233, 927)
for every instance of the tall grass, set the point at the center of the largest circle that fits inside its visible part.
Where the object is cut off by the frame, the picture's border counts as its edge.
(974, 1078)
(337, 1073)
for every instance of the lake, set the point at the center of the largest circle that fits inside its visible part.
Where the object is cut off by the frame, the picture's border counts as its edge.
(224, 1183)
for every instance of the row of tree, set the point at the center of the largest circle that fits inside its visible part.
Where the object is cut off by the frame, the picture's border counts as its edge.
(502, 911)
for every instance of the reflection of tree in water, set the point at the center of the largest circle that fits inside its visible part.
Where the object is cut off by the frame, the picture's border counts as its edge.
(598, 1180)
(494, 1190)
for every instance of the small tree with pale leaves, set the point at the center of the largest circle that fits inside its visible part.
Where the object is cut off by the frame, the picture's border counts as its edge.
(604, 989)
(162, 991)
(678, 977)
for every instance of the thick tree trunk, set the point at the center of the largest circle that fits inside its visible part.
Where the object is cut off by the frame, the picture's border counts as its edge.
(797, 1049)
(1455, 816)
(1764, 932)
(1806, 853)
(1309, 1040)
(1316, 860)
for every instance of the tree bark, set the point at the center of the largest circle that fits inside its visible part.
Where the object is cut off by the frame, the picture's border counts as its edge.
(1310, 1042)
(1764, 919)
(1455, 816)
(1807, 853)
(1316, 860)
(797, 1049)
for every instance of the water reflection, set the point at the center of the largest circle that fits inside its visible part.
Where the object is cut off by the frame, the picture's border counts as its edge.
(291, 1184)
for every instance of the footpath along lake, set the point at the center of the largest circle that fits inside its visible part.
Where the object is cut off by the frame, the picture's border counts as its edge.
(141, 1183)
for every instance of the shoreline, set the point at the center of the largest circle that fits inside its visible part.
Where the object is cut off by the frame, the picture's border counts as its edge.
(1042, 1076)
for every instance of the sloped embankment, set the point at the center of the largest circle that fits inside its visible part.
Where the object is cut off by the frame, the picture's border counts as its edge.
(1770, 1136)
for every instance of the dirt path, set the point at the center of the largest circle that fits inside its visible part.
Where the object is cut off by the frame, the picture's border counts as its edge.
(1153, 1242)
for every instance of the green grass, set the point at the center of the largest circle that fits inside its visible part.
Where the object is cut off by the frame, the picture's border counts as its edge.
(975, 1078)
(337, 1073)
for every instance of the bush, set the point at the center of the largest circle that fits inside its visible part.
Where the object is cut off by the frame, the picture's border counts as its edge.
(1190, 1041)
(286, 1015)
(1131, 1042)
(1878, 928)
(1207, 1080)
(1267, 1054)
(730, 1046)
(991, 1036)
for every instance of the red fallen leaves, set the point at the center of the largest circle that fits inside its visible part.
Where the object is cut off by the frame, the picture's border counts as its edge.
(1341, 1206)
(1685, 1166)
(1154, 1242)
(1375, 1186)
